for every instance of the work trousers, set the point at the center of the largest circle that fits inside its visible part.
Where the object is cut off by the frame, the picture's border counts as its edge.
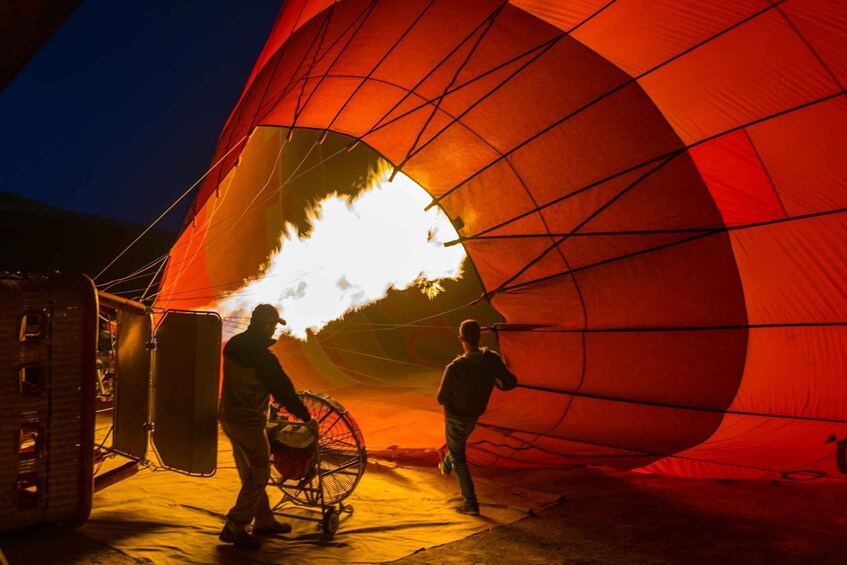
(457, 433)
(252, 459)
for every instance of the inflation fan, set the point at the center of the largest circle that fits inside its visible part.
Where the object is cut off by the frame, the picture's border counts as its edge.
(317, 474)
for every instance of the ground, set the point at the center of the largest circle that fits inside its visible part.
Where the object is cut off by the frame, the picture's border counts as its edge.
(613, 517)
(604, 517)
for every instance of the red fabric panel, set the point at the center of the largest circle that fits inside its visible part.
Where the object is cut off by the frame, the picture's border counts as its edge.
(792, 272)
(821, 25)
(739, 185)
(751, 448)
(777, 355)
(803, 153)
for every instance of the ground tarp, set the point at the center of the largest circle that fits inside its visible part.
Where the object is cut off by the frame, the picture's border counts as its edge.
(168, 517)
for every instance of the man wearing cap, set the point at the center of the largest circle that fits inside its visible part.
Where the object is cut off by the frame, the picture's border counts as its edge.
(251, 374)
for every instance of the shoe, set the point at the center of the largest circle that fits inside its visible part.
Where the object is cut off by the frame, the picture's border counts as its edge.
(445, 466)
(470, 508)
(241, 540)
(272, 530)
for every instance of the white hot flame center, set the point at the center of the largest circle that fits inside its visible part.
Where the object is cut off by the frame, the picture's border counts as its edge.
(357, 250)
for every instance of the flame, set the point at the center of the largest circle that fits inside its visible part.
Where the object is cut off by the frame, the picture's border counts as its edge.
(356, 251)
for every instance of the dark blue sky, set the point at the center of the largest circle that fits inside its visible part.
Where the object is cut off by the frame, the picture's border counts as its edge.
(119, 113)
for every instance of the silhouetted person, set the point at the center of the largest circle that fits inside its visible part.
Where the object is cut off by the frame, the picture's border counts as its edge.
(251, 374)
(464, 392)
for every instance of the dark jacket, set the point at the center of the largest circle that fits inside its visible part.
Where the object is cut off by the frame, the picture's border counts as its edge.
(251, 374)
(468, 381)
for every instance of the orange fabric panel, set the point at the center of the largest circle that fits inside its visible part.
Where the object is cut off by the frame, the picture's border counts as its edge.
(292, 15)
(527, 132)
(564, 15)
(756, 70)
(638, 35)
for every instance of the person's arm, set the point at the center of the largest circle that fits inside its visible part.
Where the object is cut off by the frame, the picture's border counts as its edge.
(446, 385)
(505, 380)
(270, 373)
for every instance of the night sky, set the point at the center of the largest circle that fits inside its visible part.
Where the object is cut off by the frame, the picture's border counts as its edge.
(119, 113)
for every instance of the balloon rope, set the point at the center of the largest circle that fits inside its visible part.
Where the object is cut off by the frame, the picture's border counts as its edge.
(322, 34)
(435, 107)
(683, 406)
(590, 217)
(705, 233)
(380, 357)
(156, 221)
(292, 83)
(138, 273)
(378, 63)
(153, 279)
(298, 110)
(605, 95)
(643, 452)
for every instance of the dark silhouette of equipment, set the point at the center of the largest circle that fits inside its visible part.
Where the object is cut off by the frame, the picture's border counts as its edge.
(164, 388)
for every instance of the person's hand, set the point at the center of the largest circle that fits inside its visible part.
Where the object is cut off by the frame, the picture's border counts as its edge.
(312, 424)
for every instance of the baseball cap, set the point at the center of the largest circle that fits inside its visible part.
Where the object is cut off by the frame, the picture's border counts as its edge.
(266, 313)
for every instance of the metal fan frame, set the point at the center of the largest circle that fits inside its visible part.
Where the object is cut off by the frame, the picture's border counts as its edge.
(312, 490)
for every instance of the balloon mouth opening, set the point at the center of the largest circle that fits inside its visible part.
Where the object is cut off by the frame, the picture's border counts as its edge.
(364, 233)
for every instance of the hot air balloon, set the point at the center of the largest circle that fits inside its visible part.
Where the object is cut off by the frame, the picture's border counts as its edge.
(651, 196)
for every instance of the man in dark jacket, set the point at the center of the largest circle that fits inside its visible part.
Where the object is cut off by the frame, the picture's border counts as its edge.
(251, 374)
(464, 392)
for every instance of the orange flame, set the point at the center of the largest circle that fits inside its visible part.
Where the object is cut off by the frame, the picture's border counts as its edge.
(356, 251)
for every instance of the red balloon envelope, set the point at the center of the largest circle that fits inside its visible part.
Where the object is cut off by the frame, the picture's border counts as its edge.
(652, 193)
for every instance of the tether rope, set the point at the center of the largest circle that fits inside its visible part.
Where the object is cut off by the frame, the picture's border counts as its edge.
(156, 221)
(138, 273)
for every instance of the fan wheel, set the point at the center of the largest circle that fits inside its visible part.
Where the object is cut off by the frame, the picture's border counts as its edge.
(341, 450)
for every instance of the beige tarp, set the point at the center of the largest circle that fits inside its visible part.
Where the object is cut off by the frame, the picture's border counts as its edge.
(172, 518)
